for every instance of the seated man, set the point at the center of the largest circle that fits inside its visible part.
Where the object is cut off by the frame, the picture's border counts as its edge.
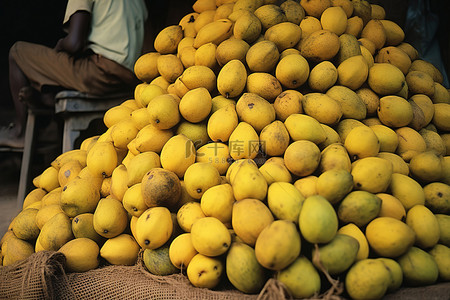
(104, 39)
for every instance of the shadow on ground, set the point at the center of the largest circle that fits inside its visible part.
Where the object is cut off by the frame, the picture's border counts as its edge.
(9, 182)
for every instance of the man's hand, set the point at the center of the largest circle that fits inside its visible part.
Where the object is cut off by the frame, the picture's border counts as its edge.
(76, 40)
(59, 46)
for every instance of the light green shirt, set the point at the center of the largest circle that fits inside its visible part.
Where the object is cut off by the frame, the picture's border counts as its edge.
(117, 27)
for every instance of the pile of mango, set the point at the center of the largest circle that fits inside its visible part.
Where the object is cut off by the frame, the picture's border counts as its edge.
(302, 142)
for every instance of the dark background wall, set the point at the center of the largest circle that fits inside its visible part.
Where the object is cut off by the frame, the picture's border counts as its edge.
(39, 21)
(419, 18)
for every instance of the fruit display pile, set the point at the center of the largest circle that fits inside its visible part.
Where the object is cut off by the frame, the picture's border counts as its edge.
(298, 141)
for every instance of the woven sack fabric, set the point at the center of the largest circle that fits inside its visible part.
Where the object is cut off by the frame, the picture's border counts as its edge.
(42, 276)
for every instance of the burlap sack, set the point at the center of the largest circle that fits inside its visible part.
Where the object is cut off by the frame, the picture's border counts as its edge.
(32, 278)
(439, 291)
(134, 282)
(42, 276)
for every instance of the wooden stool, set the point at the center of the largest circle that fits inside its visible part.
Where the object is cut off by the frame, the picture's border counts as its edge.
(28, 151)
(77, 110)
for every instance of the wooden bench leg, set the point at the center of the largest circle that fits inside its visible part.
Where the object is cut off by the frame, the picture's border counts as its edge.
(69, 136)
(73, 125)
(26, 159)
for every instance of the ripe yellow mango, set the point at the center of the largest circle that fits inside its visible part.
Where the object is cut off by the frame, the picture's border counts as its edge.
(354, 231)
(81, 254)
(337, 255)
(285, 201)
(372, 174)
(278, 245)
(367, 279)
(419, 267)
(425, 226)
(249, 218)
(359, 207)
(334, 184)
(243, 269)
(255, 111)
(229, 80)
(318, 220)
(285, 35)
(322, 107)
(353, 72)
(407, 190)
(210, 236)
(274, 138)
(352, 105)
(302, 157)
(320, 45)
(441, 255)
(301, 278)
(385, 79)
(389, 237)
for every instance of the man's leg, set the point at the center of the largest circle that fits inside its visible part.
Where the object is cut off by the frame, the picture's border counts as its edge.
(25, 60)
(20, 91)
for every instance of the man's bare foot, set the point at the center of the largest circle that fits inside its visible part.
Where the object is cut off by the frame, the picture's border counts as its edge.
(12, 137)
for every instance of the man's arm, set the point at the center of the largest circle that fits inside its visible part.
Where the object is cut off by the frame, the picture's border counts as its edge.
(76, 39)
